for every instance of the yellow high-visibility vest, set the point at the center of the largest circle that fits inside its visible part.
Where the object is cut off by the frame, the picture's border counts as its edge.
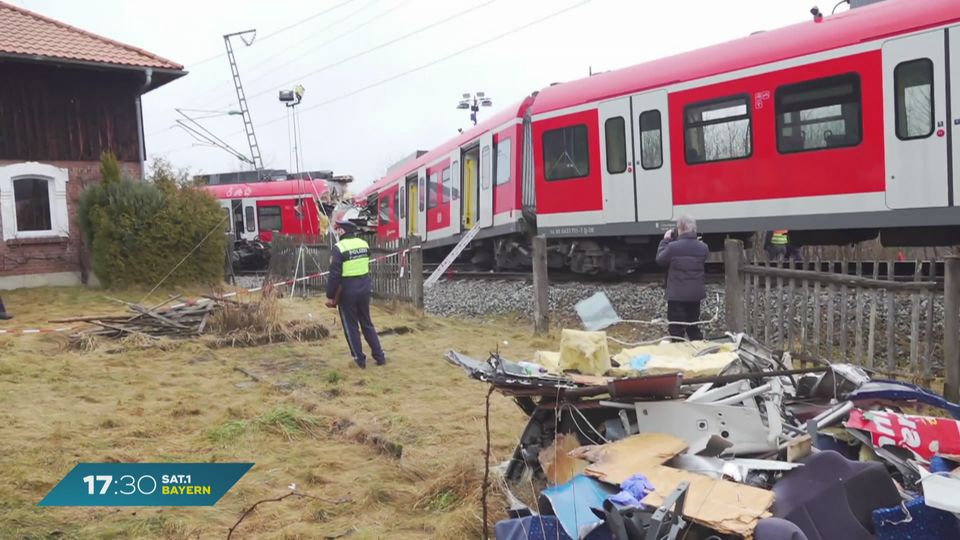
(779, 238)
(356, 257)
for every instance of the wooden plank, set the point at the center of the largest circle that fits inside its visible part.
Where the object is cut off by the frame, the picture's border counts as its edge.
(871, 333)
(830, 333)
(928, 331)
(891, 320)
(768, 311)
(951, 328)
(817, 316)
(733, 284)
(915, 323)
(541, 286)
(791, 313)
(747, 301)
(780, 310)
(804, 309)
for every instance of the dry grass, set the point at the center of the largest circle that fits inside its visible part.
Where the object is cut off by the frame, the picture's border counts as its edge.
(312, 420)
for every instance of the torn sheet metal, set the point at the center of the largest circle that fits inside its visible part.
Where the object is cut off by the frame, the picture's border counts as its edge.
(696, 423)
(572, 502)
(927, 436)
(506, 374)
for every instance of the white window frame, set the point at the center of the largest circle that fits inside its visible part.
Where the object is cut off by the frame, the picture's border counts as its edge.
(56, 178)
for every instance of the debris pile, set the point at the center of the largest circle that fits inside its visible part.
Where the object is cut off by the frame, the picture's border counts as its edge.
(181, 321)
(230, 322)
(720, 439)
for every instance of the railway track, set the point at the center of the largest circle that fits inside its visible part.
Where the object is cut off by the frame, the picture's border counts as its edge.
(902, 271)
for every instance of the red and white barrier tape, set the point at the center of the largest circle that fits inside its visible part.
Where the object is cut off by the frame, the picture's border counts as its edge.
(31, 331)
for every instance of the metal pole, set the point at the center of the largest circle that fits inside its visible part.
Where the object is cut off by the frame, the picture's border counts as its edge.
(951, 328)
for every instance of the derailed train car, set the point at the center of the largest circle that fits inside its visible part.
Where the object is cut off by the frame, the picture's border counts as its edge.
(840, 129)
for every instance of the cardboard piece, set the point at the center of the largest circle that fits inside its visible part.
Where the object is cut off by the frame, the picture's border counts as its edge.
(586, 352)
(725, 506)
(557, 465)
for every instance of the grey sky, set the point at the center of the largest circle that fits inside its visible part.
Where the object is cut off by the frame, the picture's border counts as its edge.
(363, 133)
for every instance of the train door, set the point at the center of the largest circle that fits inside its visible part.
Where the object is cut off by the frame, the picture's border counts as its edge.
(470, 187)
(616, 162)
(954, 138)
(914, 104)
(485, 201)
(422, 193)
(402, 203)
(245, 219)
(413, 206)
(451, 191)
(651, 156)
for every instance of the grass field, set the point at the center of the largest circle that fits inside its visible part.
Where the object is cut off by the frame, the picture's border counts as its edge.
(311, 419)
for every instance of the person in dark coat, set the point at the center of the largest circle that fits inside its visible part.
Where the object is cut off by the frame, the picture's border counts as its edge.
(3, 312)
(684, 257)
(349, 289)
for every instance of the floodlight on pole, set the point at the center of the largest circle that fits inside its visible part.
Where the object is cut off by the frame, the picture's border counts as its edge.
(473, 102)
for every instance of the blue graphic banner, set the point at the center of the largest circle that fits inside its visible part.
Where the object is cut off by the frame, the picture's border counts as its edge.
(145, 484)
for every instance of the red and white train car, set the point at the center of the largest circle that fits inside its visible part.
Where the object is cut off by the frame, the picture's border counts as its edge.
(839, 129)
(260, 209)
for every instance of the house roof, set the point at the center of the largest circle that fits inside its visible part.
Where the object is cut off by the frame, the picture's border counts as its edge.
(26, 34)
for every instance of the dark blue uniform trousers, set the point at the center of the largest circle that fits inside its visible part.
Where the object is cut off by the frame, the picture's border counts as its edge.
(355, 318)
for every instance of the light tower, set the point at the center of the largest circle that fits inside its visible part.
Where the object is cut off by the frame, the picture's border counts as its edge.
(473, 102)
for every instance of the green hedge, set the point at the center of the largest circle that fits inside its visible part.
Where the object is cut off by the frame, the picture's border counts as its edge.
(139, 231)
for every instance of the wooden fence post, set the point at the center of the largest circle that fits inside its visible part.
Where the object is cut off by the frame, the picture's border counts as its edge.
(541, 286)
(228, 276)
(951, 328)
(732, 263)
(416, 273)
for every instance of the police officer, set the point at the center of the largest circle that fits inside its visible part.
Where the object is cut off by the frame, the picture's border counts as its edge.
(778, 244)
(349, 289)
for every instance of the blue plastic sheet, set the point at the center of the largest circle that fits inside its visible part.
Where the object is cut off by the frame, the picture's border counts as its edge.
(572, 501)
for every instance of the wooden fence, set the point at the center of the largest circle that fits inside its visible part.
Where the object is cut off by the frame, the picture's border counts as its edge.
(834, 312)
(396, 270)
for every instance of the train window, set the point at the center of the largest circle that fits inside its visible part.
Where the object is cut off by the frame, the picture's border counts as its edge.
(502, 165)
(269, 218)
(249, 215)
(616, 139)
(450, 192)
(717, 130)
(403, 204)
(386, 215)
(651, 145)
(818, 114)
(485, 168)
(913, 83)
(433, 200)
(228, 223)
(421, 193)
(566, 153)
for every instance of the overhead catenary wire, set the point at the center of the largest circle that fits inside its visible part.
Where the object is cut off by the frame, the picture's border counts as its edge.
(275, 33)
(375, 48)
(314, 31)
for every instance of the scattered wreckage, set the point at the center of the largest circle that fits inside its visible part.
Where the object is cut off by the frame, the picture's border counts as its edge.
(720, 439)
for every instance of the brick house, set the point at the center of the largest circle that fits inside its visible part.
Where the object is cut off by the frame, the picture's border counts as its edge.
(66, 96)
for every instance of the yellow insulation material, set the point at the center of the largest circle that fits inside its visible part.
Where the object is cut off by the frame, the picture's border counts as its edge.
(586, 352)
